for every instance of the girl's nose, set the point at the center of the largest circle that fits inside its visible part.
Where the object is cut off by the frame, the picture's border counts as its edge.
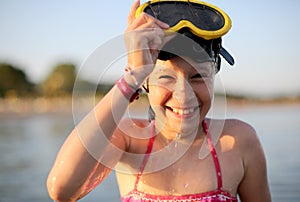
(183, 91)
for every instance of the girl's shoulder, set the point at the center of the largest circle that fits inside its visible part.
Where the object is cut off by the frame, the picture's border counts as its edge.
(238, 126)
(240, 130)
(242, 133)
(136, 132)
(233, 127)
(132, 126)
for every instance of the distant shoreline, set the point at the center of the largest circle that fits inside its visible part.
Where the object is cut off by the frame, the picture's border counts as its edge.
(263, 101)
(63, 105)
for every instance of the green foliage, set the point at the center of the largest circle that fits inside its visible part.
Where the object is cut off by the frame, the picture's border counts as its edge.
(84, 87)
(60, 81)
(13, 81)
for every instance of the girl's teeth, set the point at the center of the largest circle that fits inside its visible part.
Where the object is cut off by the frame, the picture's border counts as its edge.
(183, 111)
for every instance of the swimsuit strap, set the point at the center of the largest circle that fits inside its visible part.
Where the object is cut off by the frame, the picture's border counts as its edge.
(211, 146)
(146, 157)
(214, 155)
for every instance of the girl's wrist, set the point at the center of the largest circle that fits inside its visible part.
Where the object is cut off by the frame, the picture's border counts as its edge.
(129, 92)
(132, 78)
(130, 83)
(136, 76)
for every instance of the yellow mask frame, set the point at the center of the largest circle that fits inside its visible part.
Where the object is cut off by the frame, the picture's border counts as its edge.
(202, 19)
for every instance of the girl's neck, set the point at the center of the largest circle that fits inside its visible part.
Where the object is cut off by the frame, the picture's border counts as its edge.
(167, 135)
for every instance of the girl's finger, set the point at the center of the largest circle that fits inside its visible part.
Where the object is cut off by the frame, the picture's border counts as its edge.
(144, 18)
(159, 23)
(131, 15)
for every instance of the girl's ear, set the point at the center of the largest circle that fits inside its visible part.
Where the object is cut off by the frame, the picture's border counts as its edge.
(146, 86)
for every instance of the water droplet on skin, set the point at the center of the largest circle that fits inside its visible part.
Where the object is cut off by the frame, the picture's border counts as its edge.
(53, 183)
(140, 186)
(61, 163)
(171, 192)
(177, 138)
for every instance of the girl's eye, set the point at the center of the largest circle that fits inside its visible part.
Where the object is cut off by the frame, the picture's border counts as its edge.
(166, 77)
(197, 76)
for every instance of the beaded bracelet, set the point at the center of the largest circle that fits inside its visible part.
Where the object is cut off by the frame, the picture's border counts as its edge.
(130, 71)
(127, 91)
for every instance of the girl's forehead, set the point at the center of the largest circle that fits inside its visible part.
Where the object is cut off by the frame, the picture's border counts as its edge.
(180, 66)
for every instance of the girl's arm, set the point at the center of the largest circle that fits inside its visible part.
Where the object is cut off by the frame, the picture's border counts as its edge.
(77, 169)
(254, 186)
(77, 164)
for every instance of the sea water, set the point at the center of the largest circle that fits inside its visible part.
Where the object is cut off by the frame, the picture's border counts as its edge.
(29, 144)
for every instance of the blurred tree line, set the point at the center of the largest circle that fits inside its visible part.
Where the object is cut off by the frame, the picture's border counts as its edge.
(60, 82)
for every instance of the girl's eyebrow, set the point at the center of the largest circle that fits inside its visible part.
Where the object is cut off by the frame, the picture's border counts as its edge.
(164, 70)
(201, 69)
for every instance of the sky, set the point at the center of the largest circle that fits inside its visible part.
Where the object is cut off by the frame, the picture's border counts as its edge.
(36, 35)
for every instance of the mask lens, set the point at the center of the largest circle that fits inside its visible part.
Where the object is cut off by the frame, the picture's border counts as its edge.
(202, 16)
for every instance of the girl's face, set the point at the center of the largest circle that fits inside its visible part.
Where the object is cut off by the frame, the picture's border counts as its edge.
(180, 94)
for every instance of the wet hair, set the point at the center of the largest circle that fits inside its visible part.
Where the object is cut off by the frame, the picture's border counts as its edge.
(197, 48)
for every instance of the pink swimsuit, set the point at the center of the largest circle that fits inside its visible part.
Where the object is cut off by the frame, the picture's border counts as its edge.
(211, 196)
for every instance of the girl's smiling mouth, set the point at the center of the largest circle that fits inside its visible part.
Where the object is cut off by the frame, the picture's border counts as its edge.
(182, 112)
